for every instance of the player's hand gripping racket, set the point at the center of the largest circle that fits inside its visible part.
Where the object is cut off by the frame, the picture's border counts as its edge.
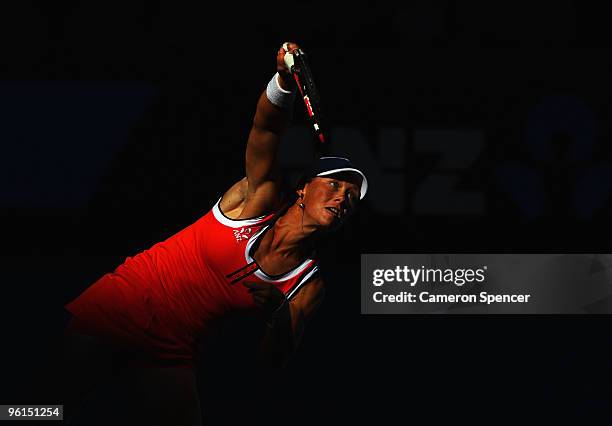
(297, 63)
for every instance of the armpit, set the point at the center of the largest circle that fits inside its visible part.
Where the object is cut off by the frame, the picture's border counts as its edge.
(234, 199)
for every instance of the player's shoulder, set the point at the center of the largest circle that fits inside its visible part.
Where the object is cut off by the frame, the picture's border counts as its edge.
(234, 200)
(266, 200)
(240, 203)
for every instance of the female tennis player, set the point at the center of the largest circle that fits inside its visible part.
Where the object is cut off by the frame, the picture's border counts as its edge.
(252, 253)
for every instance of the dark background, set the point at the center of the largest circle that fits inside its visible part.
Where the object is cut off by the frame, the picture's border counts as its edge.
(120, 125)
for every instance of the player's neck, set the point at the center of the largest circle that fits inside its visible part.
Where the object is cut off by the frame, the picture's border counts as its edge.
(290, 236)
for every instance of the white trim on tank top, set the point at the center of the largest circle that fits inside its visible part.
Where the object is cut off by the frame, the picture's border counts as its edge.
(233, 223)
(261, 274)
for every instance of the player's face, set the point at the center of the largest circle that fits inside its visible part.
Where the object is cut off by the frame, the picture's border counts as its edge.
(330, 200)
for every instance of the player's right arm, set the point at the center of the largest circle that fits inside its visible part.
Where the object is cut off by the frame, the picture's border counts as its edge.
(258, 193)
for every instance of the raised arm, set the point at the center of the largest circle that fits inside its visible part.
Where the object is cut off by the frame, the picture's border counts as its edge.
(272, 117)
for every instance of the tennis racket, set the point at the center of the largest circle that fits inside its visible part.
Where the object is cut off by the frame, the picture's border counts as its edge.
(297, 63)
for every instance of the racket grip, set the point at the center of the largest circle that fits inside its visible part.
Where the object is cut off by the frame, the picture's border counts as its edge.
(289, 60)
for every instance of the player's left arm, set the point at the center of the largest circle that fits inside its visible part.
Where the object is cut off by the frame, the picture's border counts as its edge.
(286, 326)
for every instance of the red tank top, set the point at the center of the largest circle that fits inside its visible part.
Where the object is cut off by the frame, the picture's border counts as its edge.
(163, 298)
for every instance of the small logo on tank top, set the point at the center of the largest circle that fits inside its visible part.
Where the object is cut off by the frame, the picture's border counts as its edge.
(242, 234)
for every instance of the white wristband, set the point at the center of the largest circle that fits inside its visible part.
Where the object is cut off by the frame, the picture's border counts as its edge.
(277, 95)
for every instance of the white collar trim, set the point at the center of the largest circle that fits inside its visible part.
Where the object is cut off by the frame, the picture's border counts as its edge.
(233, 223)
(261, 274)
